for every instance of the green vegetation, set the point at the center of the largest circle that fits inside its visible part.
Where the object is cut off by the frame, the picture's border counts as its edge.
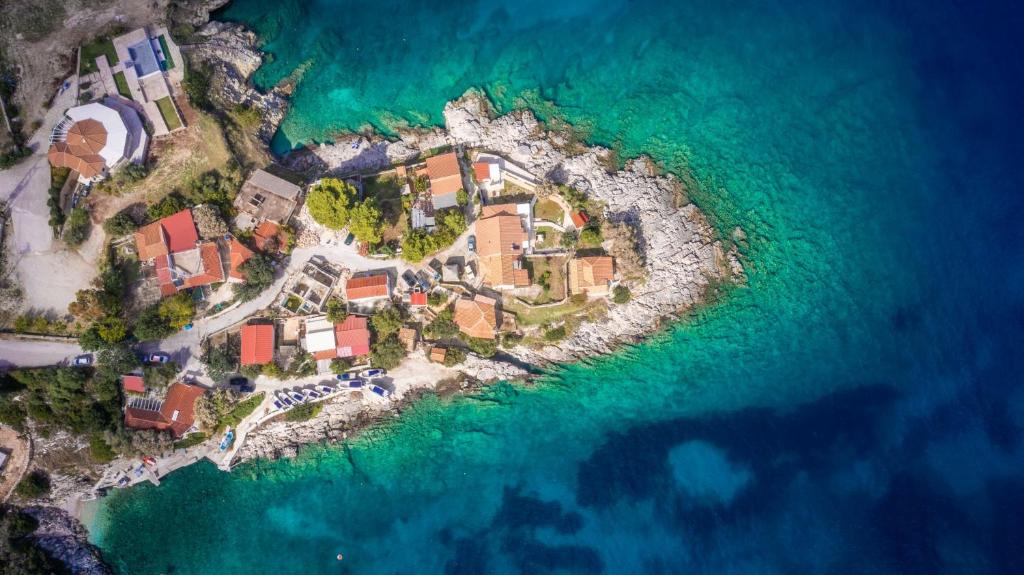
(168, 58)
(621, 294)
(123, 179)
(191, 440)
(555, 334)
(418, 244)
(177, 311)
(340, 365)
(336, 310)
(197, 85)
(120, 224)
(575, 198)
(219, 360)
(240, 411)
(122, 85)
(150, 325)
(548, 210)
(510, 340)
(365, 222)
(169, 113)
(304, 412)
(100, 450)
(329, 202)
(76, 228)
(169, 205)
(58, 176)
(591, 237)
(461, 197)
(20, 554)
(37, 323)
(435, 299)
(388, 352)
(482, 347)
(386, 322)
(292, 303)
(34, 485)
(454, 356)
(259, 275)
(443, 327)
(245, 116)
(98, 47)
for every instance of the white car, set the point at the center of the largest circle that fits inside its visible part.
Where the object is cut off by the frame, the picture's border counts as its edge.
(85, 359)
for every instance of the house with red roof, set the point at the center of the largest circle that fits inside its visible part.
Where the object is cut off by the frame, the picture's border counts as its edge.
(176, 413)
(368, 288)
(133, 383)
(417, 299)
(445, 180)
(352, 337)
(238, 254)
(257, 344)
(181, 261)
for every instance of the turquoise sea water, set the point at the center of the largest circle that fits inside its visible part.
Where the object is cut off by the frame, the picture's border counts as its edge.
(855, 408)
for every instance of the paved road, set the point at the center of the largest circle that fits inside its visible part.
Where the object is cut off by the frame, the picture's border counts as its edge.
(16, 353)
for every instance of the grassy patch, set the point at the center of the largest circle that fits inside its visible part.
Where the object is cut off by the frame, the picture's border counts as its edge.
(548, 210)
(241, 411)
(168, 112)
(122, 85)
(304, 412)
(387, 191)
(33, 20)
(191, 441)
(169, 60)
(546, 315)
(95, 49)
(547, 273)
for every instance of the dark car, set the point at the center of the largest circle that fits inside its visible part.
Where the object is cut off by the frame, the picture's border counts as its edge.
(243, 384)
(409, 278)
(349, 240)
(471, 241)
(423, 280)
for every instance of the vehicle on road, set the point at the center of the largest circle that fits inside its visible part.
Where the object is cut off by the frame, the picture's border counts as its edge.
(409, 278)
(349, 239)
(471, 243)
(371, 373)
(85, 359)
(423, 280)
(380, 391)
(158, 357)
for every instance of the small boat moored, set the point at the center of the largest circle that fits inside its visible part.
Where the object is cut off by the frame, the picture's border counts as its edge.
(371, 373)
(229, 438)
(380, 391)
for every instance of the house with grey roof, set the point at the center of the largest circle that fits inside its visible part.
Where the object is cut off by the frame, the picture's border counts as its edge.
(265, 197)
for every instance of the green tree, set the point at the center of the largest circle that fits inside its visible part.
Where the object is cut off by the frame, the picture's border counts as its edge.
(112, 329)
(443, 326)
(365, 222)
(76, 228)
(621, 294)
(482, 347)
(219, 361)
(386, 322)
(387, 353)
(259, 275)
(119, 224)
(454, 356)
(150, 325)
(34, 485)
(569, 239)
(169, 205)
(591, 237)
(416, 245)
(329, 202)
(461, 197)
(340, 365)
(177, 311)
(336, 311)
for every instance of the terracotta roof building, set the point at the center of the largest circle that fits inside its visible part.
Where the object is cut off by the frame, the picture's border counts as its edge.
(445, 180)
(437, 354)
(407, 336)
(352, 338)
(476, 317)
(368, 287)
(133, 384)
(591, 275)
(238, 254)
(97, 137)
(267, 237)
(180, 261)
(174, 233)
(257, 344)
(320, 339)
(501, 240)
(175, 413)
(418, 299)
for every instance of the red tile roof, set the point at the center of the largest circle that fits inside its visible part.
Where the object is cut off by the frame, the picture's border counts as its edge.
(444, 174)
(133, 383)
(482, 171)
(213, 267)
(239, 255)
(175, 233)
(257, 344)
(325, 354)
(418, 299)
(364, 287)
(580, 219)
(176, 413)
(352, 337)
(266, 231)
(476, 317)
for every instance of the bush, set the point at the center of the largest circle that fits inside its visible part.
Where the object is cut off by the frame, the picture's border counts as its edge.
(177, 311)
(259, 275)
(365, 222)
(461, 197)
(150, 325)
(120, 224)
(197, 85)
(388, 352)
(329, 202)
(482, 347)
(304, 412)
(454, 356)
(621, 294)
(591, 237)
(340, 365)
(241, 410)
(34, 485)
(555, 334)
(386, 322)
(510, 340)
(100, 450)
(170, 205)
(336, 311)
(111, 329)
(435, 299)
(76, 228)
(416, 245)
(443, 327)
(219, 361)
(191, 440)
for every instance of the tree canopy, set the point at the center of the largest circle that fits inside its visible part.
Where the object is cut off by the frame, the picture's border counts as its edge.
(259, 275)
(365, 222)
(329, 202)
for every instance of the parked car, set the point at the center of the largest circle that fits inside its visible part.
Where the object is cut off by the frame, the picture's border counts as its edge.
(349, 239)
(423, 280)
(409, 278)
(85, 359)
(372, 373)
(158, 357)
(243, 384)
(471, 242)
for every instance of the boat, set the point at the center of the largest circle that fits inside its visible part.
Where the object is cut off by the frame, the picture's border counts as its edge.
(285, 400)
(355, 383)
(371, 373)
(278, 404)
(229, 438)
(297, 397)
(312, 394)
(347, 376)
(325, 389)
(380, 391)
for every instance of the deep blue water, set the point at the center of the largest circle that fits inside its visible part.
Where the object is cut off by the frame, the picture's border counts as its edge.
(856, 408)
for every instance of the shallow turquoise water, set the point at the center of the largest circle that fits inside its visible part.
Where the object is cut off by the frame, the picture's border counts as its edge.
(815, 421)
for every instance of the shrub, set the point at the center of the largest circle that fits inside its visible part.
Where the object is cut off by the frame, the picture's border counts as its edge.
(386, 322)
(178, 310)
(461, 197)
(591, 237)
(569, 239)
(76, 228)
(272, 370)
(259, 275)
(365, 222)
(150, 325)
(191, 440)
(112, 329)
(171, 204)
(482, 347)
(621, 294)
(34, 485)
(510, 340)
(329, 202)
(443, 326)
(340, 365)
(304, 412)
(219, 361)
(388, 352)
(100, 450)
(336, 311)
(120, 224)
(435, 299)
(555, 334)
(454, 356)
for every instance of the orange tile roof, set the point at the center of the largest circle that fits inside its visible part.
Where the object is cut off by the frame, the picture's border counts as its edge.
(590, 273)
(407, 336)
(364, 287)
(133, 383)
(266, 231)
(482, 171)
(437, 354)
(81, 148)
(445, 176)
(175, 233)
(418, 299)
(239, 255)
(580, 219)
(500, 236)
(213, 267)
(352, 337)
(476, 317)
(176, 413)
(325, 354)
(257, 344)
(150, 241)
